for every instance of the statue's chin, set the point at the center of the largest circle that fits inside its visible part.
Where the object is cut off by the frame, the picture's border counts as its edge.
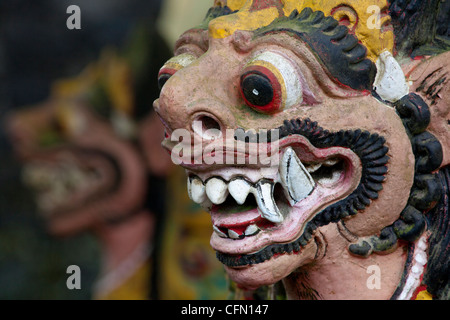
(271, 271)
(255, 276)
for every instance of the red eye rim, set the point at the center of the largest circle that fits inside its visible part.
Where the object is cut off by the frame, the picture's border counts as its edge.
(165, 70)
(275, 105)
(167, 73)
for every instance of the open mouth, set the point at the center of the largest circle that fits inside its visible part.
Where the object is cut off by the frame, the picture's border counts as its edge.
(253, 208)
(266, 202)
(321, 177)
(62, 181)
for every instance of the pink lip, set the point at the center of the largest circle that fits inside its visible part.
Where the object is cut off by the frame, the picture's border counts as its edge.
(285, 232)
(307, 152)
(227, 219)
(239, 222)
(291, 228)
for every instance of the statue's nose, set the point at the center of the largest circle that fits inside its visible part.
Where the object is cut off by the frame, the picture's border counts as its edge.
(200, 98)
(202, 119)
(206, 126)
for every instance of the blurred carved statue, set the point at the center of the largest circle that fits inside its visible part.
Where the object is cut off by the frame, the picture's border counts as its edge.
(92, 155)
(316, 134)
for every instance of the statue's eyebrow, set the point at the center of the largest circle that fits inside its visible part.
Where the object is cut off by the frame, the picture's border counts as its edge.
(199, 35)
(193, 37)
(338, 50)
(246, 41)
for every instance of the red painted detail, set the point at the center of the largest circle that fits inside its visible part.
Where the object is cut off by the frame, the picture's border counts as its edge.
(418, 290)
(240, 228)
(276, 104)
(169, 71)
(264, 4)
(421, 288)
(345, 20)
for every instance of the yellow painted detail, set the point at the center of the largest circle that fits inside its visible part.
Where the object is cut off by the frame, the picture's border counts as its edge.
(111, 71)
(66, 116)
(73, 87)
(179, 62)
(289, 6)
(173, 65)
(424, 295)
(348, 14)
(368, 24)
(235, 4)
(136, 287)
(364, 17)
(276, 73)
(244, 20)
(118, 79)
(66, 93)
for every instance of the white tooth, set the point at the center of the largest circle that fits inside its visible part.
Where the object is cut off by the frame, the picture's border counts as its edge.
(330, 162)
(232, 234)
(198, 192)
(296, 180)
(217, 190)
(239, 190)
(335, 176)
(220, 233)
(206, 205)
(417, 270)
(189, 187)
(313, 167)
(251, 230)
(266, 204)
(422, 245)
(421, 258)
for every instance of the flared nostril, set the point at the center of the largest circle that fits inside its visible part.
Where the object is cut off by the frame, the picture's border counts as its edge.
(207, 127)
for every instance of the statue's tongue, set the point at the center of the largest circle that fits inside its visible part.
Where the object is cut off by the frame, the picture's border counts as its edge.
(239, 225)
(234, 219)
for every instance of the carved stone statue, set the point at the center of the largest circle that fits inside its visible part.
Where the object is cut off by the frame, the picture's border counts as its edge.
(349, 198)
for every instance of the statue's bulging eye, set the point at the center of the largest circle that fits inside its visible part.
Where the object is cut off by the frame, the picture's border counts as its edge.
(270, 83)
(172, 66)
(163, 76)
(261, 90)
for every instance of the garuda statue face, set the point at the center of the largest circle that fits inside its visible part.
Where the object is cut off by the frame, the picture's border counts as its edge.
(350, 156)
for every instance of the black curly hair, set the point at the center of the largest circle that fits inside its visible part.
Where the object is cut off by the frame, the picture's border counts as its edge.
(421, 27)
(341, 53)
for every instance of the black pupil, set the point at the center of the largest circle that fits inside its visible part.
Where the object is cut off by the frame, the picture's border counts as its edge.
(162, 79)
(257, 89)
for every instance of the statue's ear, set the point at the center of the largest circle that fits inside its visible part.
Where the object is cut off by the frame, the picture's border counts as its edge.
(431, 80)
